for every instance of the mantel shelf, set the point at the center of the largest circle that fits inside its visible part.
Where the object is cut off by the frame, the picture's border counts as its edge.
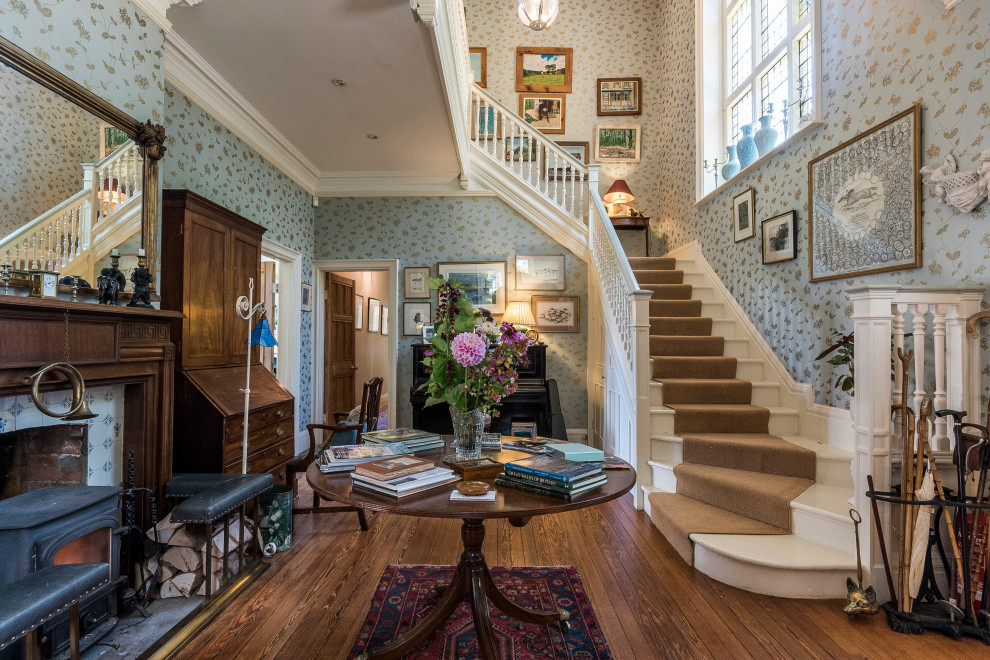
(29, 303)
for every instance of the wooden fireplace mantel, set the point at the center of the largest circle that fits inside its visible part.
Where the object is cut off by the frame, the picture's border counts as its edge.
(109, 345)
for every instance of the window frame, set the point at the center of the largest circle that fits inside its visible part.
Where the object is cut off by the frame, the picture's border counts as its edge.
(714, 99)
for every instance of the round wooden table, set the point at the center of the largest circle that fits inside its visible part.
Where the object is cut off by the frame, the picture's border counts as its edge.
(473, 580)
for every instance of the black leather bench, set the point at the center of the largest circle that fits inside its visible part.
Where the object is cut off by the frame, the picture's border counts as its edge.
(211, 497)
(30, 601)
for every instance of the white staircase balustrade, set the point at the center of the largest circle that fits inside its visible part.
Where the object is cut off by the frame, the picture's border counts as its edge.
(932, 322)
(79, 231)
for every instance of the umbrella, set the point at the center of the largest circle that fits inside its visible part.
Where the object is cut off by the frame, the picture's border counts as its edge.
(919, 545)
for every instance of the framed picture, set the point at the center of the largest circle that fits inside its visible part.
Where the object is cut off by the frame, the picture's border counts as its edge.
(484, 282)
(544, 70)
(307, 297)
(111, 137)
(374, 315)
(619, 96)
(865, 210)
(384, 320)
(414, 317)
(561, 172)
(743, 214)
(543, 111)
(486, 123)
(520, 148)
(429, 332)
(358, 312)
(479, 65)
(541, 272)
(617, 143)
(415, 281)
(779, 238)
(557, 313)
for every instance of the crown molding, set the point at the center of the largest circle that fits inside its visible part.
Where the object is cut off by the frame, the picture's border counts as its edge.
(187, 71)
(397, 184)
(155, 9)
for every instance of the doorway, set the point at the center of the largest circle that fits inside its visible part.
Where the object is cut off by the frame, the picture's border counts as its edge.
(281, 279)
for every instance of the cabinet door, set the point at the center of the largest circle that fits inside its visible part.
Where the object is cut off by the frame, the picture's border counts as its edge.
(245, 263)
(204, 340)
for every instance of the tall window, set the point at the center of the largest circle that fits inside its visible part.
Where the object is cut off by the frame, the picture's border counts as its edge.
(757, 59)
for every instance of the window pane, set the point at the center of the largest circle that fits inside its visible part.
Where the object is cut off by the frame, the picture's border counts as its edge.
(803, 7)
(773, 91)
(740, 44)
(804, 91)
(773, 24)
(740, 114)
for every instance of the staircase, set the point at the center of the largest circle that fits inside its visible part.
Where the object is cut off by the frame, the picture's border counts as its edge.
(743, 486)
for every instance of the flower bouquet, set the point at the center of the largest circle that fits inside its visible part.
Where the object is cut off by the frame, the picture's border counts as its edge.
(472, 364)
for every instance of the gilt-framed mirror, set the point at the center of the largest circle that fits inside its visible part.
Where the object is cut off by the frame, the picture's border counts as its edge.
(78, 179)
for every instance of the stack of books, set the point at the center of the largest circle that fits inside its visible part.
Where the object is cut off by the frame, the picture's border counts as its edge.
(343, 458)
(553, 476)
(402, 476)
(411, 438)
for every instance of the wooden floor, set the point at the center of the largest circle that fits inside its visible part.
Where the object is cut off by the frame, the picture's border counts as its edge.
(313, 600)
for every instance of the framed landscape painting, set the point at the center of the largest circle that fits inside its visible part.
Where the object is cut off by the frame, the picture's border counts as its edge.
(484, 282)
(617, 143)
(520, 148)
(544, 112)
(544, 70)
(619, 96)
(557, 313)
(560, 172)
(865, 210)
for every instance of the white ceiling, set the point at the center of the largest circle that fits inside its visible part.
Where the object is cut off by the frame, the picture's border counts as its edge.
(281, 55)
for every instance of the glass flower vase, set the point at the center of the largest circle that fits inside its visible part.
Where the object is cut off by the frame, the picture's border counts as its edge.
(468, 427)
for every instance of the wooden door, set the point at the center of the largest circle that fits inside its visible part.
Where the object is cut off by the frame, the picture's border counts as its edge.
(338, 367)
(244, 263)
(204, 339)
(268, 296)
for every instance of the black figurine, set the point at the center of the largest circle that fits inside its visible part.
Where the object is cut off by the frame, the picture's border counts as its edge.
(141, 296)
(109, 287)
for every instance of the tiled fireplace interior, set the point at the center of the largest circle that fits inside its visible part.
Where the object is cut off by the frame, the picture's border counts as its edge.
(105, 431)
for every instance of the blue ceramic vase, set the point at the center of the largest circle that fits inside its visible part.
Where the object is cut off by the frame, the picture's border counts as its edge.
(731, 168)
(746, 147)
(766, 137)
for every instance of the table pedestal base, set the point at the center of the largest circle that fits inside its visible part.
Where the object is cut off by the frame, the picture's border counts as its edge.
(472, 581)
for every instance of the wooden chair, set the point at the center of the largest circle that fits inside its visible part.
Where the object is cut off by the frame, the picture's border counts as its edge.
(340, 434)
(370, 403)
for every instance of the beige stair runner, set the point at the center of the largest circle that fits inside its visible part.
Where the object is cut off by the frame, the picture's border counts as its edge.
(735, 477)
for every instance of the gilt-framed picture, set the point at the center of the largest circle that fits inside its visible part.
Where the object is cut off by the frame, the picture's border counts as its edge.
(541, 272)
(416, 282)
(374, 315)
(617, 143)
(483, 281)
(306, 297)
(779, 238)
(619, 96)
(865, 210)
(479, 65)
(557, 313)
(414, 317)
(743, 215)
(544, 112)
(544, 70)
(358, 312)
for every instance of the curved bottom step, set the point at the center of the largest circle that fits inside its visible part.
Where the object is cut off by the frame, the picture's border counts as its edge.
(787, 566)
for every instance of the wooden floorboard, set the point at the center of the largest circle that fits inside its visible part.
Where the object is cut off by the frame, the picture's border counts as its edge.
(650, 604)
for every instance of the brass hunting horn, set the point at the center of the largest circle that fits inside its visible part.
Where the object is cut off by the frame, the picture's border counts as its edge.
(79, 409)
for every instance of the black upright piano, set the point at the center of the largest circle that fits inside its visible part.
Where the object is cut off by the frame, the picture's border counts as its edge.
(528, 403)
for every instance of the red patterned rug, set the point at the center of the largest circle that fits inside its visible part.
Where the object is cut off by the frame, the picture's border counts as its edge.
(406, 594)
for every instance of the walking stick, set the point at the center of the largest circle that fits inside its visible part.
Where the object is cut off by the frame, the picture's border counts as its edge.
(883, 546)
(957, 417)
(907, 492)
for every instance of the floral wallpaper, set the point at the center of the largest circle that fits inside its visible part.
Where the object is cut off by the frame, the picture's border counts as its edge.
(424, 231)
(110, 47)
(205, 157)
(878, 58)
(44, 148)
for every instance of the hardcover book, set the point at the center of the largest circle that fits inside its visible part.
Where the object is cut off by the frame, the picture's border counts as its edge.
(352, 454)
(408, 436)
(521, 484)
(408, 482)
(543, 465)
(393, 468)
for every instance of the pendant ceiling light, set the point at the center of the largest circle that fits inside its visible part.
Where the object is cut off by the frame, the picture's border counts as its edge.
(538, 14)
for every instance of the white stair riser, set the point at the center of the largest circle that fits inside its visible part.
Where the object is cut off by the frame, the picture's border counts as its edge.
(656, 394)
(737, 348)
(713, 310)
(773, 581)
(663, 477)
(766, 395)
(784, 424)
(662, 422)
(834, 472)
(748, 369)
(694, 279)
(668, 451)
(687, 265)
(724, 328)
(824, 529)
(703, 293)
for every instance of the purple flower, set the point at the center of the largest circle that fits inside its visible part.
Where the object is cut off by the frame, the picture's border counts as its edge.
(468, 349)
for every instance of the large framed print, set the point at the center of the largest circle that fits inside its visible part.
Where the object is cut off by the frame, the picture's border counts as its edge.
(544, 70)
(557, 313)
(543, 111)
(865, 211)
(484, 282)
(541, 272)
(778, 238)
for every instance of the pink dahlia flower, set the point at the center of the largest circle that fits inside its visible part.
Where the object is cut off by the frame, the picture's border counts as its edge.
(468, 349)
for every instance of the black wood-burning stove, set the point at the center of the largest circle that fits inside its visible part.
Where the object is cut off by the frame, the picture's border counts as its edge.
(63, 525)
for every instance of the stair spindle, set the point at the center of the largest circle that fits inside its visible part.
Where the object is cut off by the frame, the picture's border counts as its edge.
(940, 398)
(920, 324)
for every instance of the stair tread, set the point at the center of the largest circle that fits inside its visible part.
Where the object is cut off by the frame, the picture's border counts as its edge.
(832, 500)
(724, 476)
(780, 551)
(821, 449)
(715, 407)
(685, 513)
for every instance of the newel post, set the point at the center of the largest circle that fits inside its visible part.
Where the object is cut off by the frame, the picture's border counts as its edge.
(872, 320)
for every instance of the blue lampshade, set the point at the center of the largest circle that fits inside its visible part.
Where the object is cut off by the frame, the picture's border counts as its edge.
(262, 334)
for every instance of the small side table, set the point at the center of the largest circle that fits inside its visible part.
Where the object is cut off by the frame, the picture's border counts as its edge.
(625, 222)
